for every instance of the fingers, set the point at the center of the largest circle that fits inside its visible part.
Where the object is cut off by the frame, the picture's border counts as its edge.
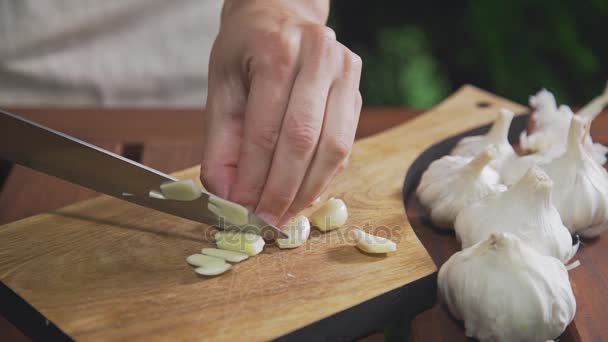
(223, 131)
(339, 128)
(272, 80)
(301, 125)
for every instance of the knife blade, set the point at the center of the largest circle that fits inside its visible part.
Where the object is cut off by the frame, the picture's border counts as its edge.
(55, 153)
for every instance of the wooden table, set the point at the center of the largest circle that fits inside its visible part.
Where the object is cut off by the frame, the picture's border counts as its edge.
(169, 140)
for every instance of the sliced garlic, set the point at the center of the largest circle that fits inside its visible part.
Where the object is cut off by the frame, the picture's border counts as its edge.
(524, 210)
(506, 291)
(233, 213)
(225, 254)
(212, 269)
(453, 182)
(248, 243)
(333, 214)
(298, 230)
(497, 136)
(369, 243)
(199, 260)
(581, 186)
(181, 190)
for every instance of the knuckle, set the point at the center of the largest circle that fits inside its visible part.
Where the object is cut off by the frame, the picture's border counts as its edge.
(338, 149)
(359, 100)
(266, 138)
(352, 63)
(342, 167)
(278, 52)
(300, 133)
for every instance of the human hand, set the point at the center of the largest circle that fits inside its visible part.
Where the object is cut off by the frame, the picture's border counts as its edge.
(283, 106)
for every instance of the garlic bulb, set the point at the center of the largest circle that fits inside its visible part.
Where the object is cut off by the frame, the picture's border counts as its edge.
(581, 186)
(524, 210)
(497, 136)
(552, 123)
(506, 291)
(516, 166)
(453, 182)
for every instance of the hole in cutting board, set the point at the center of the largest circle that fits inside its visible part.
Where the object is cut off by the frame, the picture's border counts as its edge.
(483, 104)
(133, 152)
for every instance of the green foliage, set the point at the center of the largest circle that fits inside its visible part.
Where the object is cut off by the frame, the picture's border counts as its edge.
(415, 53)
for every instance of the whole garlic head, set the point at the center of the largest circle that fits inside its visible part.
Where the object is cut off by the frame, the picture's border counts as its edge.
(581, 186)
(516, 166)
(525, 210)
(452, 182)
(496, 136)
(506, 291)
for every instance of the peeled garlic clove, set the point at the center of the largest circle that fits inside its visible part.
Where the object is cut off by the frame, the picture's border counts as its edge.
(581, 186)
(331, 215)
(506, 291)
(452, 182)
(212, 269)
(298, 230)
(231, 212)
(497, 137)
(181, 190)
(248, 243)
(525, 210)
(200, 260)
(225, 254)
(369, 243)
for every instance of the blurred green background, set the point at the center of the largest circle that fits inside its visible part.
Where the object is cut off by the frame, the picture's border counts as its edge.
(415, 53)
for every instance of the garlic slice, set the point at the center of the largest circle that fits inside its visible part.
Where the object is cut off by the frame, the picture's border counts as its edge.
(369, 243)
(200, 260)
(248, 243)
(298, 230)
(225, 254)
(331, 215)
(232, 212)
(581, 186)
(506, 291)
(212, 269)
(524, 210)
(496, 136)
(181, 190)
(453, 182)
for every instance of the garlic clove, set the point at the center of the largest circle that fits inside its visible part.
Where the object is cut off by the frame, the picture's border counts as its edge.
(199, 260)
(452, 182)
(181, 190)
(298, 230)
(506, 291)
(372, 244)
(581, 186)
(248, 243)
(497, 136)
(213, 269)
(524, 210)
(331, 215)
(225, 254)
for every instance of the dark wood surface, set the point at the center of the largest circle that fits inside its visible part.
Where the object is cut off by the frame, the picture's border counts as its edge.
(169, 140)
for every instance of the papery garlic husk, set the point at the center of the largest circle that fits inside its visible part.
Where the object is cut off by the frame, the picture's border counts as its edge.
(581, 186)
(552, 123)
(504, 290)
(453, 182)
(497, 136)
(524, 210)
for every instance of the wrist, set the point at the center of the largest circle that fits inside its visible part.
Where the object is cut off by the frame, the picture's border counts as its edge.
(311, 10)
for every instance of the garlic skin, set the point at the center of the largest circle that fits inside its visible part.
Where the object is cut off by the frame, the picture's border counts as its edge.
(525, 210)
(452, 182)
(506, 291)
(581, 186)
(497, 136)
(552, 124)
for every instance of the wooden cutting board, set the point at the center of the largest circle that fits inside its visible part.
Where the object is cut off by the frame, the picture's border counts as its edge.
(105, 269)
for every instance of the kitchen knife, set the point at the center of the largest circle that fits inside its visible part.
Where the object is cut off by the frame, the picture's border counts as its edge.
(43, 149)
